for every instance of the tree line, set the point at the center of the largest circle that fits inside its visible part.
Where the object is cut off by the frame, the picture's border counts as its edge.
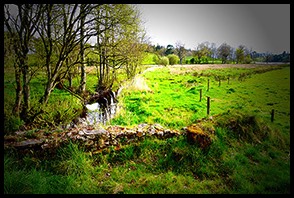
(207, 52)
(57, 36)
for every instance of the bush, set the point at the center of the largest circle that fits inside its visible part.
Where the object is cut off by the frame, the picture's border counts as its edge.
(163, 61)
(155, 59)
(192, 60)
(11, 123)
(173, 59)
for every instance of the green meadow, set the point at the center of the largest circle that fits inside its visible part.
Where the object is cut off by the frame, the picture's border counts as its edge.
(175, 98)
(250, 154)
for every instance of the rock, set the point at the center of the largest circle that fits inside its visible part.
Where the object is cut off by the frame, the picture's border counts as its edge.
(69, 134)
(45, 146)
(151, 131)
(139, 134)
(158, 127)
(195, 134)
(160, 134)
(142, 125)
(130, 134)
(20, 132)
(89, 143)
(29, 143)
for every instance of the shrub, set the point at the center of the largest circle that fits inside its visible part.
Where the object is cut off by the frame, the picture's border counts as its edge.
(173, 59)
(12, 123)
(155, 59)
(163, 61)
(192, 60)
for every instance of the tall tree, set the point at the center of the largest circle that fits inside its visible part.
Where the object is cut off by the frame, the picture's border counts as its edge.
(118, 38)
(22, 28)
(60, 28)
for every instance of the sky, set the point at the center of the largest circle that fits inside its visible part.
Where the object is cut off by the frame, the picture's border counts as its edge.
(260, 27)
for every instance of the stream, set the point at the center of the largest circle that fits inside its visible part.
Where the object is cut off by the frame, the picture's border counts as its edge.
(97, 113)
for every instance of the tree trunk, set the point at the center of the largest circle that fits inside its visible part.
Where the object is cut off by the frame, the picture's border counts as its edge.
(16, 109)
(48, 90)
(83, 72)
(26, 91)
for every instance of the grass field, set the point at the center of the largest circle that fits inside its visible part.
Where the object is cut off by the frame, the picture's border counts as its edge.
(234, 163)
(175, 100)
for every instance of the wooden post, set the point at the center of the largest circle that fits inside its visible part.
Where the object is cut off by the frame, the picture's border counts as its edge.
(200, 94)
(208, 105)
(208, 85)
(228, 80)
(272, 115)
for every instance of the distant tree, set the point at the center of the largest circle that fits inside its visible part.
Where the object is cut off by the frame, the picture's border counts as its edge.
(267, 57)
(240, 54)
(224, 51)
(213, 50)
(160, 50)
(243, 55)
(203, 51)
(253, 55)
(173, 59)
(180, 51)
(169, 49)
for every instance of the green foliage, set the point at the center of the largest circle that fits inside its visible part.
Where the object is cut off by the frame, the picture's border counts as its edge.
(11, 123)
(163, 61)
(149, 59)
(173, 59)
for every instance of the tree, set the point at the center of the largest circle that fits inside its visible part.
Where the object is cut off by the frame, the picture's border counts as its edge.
(82, 30)
(180, 51)
(243, 55)
(224, 51)
(213, 50)
(119, 42)
(169, 49)
(202, 51)
(267, 57)
(61, 34)
(22, 28)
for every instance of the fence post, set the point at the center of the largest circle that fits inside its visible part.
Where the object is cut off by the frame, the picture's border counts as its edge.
(272, 115)
(208, 85)
(200, 94)
(208, 105)
(228, 80)
(219, 82)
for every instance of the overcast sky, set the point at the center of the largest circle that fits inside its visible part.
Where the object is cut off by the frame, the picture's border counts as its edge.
(262, 27)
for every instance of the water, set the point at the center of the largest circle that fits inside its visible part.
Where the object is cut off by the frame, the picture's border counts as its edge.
(99, 114)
